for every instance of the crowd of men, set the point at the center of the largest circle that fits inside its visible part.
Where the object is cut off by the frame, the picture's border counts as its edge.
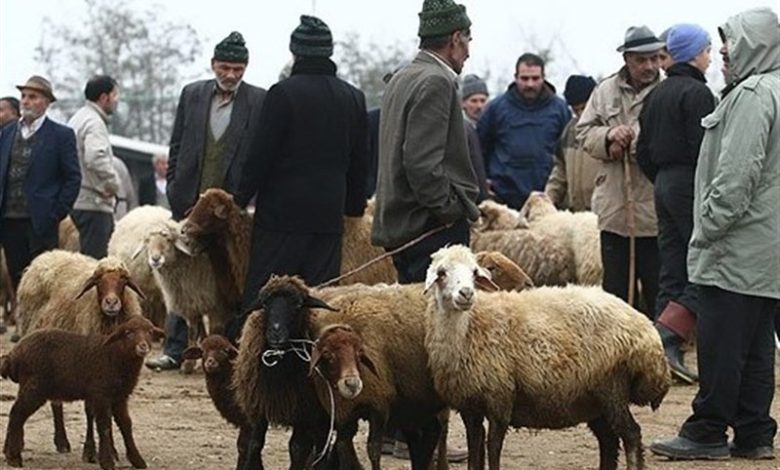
(685, 183)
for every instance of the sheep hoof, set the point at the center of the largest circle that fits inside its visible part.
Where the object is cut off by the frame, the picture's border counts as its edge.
(14, 461)
(88, 454)
(63, 447)
(136, 461)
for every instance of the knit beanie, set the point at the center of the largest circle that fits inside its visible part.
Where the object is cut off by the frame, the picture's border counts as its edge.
(232, 49)
(472, 85)
(686, 41)
(311, 38)
(578, 89)
(442, 17)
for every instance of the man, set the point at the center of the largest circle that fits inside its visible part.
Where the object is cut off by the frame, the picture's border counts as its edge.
(39, 178)
(667, 152)
(9, 110)
(519, 131)
(308, 166)
(664, 57)
(209, 146)
(93, 212)
(426, 180)
(572, 179)
(153, 188)
(607, 131)
(474, 95)
(734, 253)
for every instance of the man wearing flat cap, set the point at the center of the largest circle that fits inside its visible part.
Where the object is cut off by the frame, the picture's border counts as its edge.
(608, 131)
(214, 123)
(39, 178)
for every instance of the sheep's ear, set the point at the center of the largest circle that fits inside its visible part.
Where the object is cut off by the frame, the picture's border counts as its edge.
(138, 250)
(192, 353)
(314, 302)
(316, 355)
(232, 352)
(483, 281)
(430, 279)
(221, 212)
(366, 360)
(115, 335)
(88, 284)
(181, 245)
(131, 284)
(157, 334)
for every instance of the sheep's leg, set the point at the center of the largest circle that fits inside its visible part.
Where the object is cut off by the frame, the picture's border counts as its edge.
(60, 435)
(348, 459)
(122, 417)
(242, 444)
(254, 449)
(496, 434)
(102, 413)
(193, 331)
(475, 438)
(25, 405)
(623, 424)
(89, 454)
(608, 443)
(376, 432)
(422, 443)
(441, 453)
(300, 447)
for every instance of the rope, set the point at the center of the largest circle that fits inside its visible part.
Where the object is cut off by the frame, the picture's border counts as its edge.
(401, 248)
(631, 222)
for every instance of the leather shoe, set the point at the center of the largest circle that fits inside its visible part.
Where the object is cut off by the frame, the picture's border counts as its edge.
(674, 355)
(752, 453)
(163, 362)
(681, 448)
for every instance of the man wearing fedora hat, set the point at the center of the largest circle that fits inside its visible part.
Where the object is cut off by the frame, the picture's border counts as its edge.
(39, 178)
(607, 131)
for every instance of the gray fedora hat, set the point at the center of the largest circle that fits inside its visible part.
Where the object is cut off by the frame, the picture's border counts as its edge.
(640, 39)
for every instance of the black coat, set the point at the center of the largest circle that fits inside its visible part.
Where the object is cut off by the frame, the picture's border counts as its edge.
(670, 121)
(309, 158)
(188, 140)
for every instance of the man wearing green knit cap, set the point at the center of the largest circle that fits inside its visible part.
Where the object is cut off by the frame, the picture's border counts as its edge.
(425, 178)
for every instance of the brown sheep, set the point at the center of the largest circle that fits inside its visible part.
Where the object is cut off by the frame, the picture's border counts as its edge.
(504, 272)
(356, 250)
(217, 355)
(60, 365)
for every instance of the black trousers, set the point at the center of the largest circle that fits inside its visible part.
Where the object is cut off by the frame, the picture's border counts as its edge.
(736, 359)
(615, 258)
(413, 262)
(95, 229)
(674, 207)
(22, 245)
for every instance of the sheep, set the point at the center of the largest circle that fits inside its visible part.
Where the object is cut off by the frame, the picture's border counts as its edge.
(217, 355)
(56, 291)
(53, 364)
(356, 249)
(187, 282)
(503, 271)
(548, 357)
(544, 259)
(578, 231)
(128, 235)
(496, 216)
(68, 236)
(277, 390)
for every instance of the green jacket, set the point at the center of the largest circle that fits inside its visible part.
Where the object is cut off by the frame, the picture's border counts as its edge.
(425, 178)
(736, 236)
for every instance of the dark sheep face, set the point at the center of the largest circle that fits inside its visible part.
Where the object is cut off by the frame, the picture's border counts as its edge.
(284, 319)
(209, 215)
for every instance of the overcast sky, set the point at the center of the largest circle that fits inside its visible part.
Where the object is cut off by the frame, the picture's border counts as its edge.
(585, 33)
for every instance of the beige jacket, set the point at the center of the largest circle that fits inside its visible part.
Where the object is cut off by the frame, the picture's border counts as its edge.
(573, 177)
(612, 103)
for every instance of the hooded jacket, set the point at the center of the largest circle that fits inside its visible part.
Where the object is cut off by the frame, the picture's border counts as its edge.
(736, 233)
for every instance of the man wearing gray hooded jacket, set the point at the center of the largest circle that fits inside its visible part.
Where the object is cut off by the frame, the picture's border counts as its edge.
(734, 253)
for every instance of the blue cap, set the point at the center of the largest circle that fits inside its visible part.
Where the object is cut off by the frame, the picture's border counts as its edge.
(686, 41)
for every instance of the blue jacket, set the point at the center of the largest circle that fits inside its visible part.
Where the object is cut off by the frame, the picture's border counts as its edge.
(518, 142)
(53, 178)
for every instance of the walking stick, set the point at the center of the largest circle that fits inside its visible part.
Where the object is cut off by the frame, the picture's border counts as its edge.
(631, 222)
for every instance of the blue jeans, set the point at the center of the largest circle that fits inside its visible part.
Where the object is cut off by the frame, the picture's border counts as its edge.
(175, 336)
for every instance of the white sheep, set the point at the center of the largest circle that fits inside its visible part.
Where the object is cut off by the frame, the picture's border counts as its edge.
(542, 358)
(128, 235)
(577, 231)
(496, 216)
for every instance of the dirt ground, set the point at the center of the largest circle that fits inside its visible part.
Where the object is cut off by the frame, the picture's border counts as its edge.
(177, 427)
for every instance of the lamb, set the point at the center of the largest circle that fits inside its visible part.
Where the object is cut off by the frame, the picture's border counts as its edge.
(56, 291)
(128, 235)
(544, 259)
(578, 231)
(187, 282)
(543, 358)
(217, 355)
(60, 365)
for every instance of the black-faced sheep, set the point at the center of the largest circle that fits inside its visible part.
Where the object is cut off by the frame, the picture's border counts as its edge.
(217, 355)
(53, 364)
(542, 358)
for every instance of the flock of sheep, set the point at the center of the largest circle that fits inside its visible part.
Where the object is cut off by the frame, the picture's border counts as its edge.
(516, 334)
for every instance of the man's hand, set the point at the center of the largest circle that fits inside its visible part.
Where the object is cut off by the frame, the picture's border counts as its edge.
(622, 135)
(616, 151)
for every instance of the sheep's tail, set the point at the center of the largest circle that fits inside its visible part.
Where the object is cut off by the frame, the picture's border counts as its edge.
(650, 371)
(7, 369)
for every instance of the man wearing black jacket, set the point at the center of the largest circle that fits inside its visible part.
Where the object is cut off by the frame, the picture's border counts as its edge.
(667, 152)
(308, 166)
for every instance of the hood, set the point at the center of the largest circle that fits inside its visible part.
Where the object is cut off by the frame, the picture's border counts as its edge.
(753, 41)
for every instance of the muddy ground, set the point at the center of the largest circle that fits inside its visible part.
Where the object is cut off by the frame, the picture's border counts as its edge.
(177, 427)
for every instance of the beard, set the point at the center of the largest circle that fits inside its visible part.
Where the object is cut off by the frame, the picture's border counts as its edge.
(30, 114)
(228, 86)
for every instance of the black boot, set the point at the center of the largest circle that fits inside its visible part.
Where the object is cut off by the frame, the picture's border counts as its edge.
(674, 355)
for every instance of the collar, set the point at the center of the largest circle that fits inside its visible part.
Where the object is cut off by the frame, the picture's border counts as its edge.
(624, 80)
(442, 62)
(28, 131)
(219, 93)
(687, 70)
(98, 110)
(313, 66)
